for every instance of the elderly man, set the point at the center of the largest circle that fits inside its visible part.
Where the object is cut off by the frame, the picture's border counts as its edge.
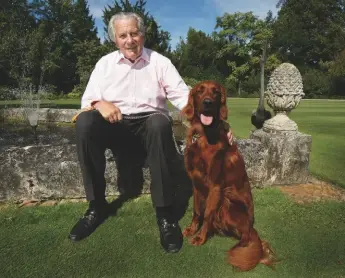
(126, 102)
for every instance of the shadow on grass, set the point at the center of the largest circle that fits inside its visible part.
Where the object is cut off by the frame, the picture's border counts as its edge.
(130, 184)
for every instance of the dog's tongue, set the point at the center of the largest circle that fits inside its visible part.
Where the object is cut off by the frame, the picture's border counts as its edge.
(206, 120)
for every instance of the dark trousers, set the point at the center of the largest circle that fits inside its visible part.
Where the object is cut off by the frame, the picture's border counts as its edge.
(130, 141)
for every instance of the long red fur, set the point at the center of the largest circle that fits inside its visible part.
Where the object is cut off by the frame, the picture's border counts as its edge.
(222, 193)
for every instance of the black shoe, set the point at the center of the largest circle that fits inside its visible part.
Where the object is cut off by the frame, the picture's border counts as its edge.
(88, 223)
(170, 235)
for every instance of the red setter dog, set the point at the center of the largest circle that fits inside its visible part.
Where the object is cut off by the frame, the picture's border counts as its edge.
(223, 201)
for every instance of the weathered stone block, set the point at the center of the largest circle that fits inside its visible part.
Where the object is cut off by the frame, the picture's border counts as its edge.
(285, 156)
(44, 114)
(48, 171)
(52, 171)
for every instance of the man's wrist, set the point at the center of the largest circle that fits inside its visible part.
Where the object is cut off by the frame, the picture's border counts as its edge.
(95, 104)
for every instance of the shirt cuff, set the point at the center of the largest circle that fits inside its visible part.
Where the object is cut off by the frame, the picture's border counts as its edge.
(92, 104)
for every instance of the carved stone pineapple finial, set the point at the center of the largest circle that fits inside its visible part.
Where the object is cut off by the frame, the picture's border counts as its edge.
(284, 93)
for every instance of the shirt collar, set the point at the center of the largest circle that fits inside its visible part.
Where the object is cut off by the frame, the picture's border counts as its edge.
(144, 55)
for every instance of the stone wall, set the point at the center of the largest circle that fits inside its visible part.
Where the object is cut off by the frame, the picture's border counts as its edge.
(44, 115)
(47, 171)
(52, 115)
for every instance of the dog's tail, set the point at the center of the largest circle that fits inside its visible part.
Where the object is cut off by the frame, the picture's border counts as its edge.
(246, 254)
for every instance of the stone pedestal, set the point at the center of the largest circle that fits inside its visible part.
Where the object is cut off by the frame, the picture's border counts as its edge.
(285, 156)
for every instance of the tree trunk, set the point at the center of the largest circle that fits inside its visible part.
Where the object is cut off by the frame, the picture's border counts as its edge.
(262, 64)
(239, 88)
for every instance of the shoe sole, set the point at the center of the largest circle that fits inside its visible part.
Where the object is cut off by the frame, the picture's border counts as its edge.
(74, 238)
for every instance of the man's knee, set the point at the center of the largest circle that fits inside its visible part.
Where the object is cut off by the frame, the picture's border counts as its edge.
(158, 123)
(87, 121)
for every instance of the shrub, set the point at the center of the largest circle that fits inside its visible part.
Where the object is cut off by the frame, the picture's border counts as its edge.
(190, 81)
(8, 93)
(77, 92)
(316, 84)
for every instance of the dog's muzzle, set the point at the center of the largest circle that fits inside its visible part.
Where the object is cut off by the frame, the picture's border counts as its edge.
(207, 102)
(206, 114)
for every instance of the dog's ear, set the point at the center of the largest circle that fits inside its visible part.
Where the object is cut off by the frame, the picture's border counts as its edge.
(188, 110)
(223, 113)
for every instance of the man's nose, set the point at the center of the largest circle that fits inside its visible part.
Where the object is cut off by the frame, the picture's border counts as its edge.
(129, 38)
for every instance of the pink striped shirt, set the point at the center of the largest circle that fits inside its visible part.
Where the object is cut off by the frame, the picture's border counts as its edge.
(142, 86)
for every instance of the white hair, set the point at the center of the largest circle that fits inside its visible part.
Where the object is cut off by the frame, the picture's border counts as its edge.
(125, 15)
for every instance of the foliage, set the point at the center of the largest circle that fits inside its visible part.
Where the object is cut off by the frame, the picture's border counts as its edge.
(77, 92)
(190, 81)
(308, 32)
(337, 74)
(316, 83)
(195, 57)
(247, 41)
(54, 43)
(8, 93)
(238, 30)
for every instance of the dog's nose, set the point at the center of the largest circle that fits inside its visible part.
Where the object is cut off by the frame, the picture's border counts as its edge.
(207, 102)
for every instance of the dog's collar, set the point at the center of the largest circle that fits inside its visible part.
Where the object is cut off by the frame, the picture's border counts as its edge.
(195, 137)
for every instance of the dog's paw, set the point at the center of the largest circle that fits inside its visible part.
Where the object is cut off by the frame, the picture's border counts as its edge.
(188, 232)
(198, 240)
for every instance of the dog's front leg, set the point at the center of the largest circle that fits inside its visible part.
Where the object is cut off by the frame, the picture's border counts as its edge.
(212, 203)
(194, 226)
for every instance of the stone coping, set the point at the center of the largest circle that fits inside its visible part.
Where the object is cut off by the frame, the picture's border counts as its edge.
(55, 115)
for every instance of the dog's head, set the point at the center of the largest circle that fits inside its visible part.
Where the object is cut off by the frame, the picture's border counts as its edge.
(207, 103)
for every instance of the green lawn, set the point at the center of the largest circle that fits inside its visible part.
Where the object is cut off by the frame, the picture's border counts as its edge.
(33, 243)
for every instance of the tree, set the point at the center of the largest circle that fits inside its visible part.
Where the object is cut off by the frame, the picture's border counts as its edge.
(262, 39)
(246, 37)
(238, 31)
(63, 25)
(309, 32)
(194, 58)
(336, 72)
(16, 25)
(86, 45)
(155, 38)
(82, 23)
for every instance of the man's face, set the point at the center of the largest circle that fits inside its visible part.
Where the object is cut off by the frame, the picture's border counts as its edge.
(128, 39)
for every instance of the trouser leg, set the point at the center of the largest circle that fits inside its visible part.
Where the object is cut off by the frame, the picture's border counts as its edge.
(94, 135)
(129, 140)
(91, 129)
(161, 152)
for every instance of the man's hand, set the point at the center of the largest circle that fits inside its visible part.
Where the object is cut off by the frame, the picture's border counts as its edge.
(109, 111)
(230, 137)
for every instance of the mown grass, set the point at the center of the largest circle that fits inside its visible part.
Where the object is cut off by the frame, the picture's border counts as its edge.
(33, 242)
